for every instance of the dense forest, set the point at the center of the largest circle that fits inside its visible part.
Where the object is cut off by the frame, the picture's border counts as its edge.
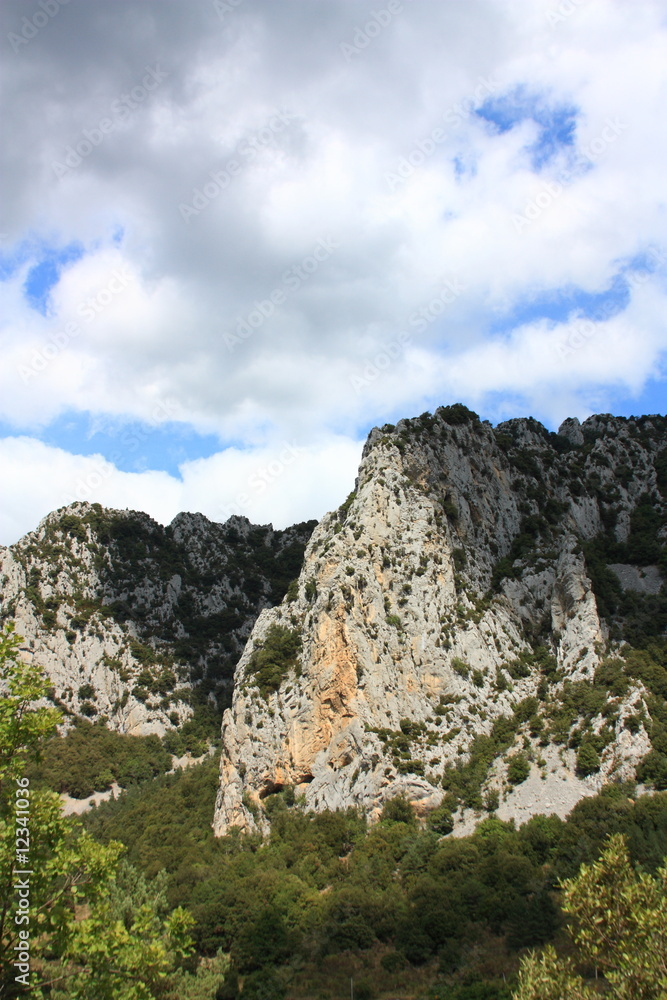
(396, 907)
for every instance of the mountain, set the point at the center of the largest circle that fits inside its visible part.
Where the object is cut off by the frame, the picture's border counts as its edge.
(139, 624)
(480, 625)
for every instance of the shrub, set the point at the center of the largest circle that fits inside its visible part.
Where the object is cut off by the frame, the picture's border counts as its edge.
(91, 756)
(610, 675)
(460, 667)
(263, 984)
(272, 659)
(492, 800)
(345, 506)
(141, 652)
(518, 769)
(450, 509)
(459, 558)
(363, 990)
(398, 810)
(652, 770)
(503, 568)
(393, 962)
(588, 759)
(441, 820)
(457, 414)
(518, 669)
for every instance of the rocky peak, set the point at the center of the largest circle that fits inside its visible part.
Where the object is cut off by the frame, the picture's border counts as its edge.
(458, 586)
(137, 623)
(571, 430)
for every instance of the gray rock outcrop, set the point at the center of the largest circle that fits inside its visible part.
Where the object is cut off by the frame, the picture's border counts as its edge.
(430, 605)
(128, 617)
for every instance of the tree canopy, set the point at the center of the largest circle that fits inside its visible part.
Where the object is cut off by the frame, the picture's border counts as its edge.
(618, 927)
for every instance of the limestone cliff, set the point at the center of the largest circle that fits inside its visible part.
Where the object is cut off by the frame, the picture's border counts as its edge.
(471, 585)
(136, 623)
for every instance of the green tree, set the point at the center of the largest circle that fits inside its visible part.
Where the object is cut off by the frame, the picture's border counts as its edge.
(618, 925)
(398, 810)
(22, 726)
(68, 916)
(273, 658)
(518, 769)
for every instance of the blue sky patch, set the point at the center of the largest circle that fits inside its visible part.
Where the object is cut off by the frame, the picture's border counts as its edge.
(652, 399)
(464, 167)
(559, 304)
(43, 276)
(646, 262)
(132, 446)
(557, 124)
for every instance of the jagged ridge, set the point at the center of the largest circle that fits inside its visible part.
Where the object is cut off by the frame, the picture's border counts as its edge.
(128, 617)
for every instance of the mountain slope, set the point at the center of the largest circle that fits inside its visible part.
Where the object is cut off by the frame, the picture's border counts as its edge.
(466, 604)
(135, 622)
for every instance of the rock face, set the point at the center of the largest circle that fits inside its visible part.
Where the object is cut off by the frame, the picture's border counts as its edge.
(464, 580)
(129, 618)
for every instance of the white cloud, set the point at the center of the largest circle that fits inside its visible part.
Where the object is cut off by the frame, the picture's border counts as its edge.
(281, 484)
(158, 344)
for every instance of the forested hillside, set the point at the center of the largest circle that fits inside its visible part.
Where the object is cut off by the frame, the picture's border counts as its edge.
(396, 906)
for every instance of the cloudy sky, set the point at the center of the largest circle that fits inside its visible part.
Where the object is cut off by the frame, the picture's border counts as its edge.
(237, 234)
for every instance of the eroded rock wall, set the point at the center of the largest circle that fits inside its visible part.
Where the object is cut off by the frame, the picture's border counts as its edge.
(459, 551)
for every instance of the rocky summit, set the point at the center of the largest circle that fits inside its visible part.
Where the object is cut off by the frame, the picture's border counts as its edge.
(472, 629)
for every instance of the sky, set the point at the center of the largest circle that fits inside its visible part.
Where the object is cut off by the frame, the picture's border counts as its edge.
(235, 235)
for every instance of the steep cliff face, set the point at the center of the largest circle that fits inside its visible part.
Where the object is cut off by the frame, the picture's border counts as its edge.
(134, 622)
(452, 600)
